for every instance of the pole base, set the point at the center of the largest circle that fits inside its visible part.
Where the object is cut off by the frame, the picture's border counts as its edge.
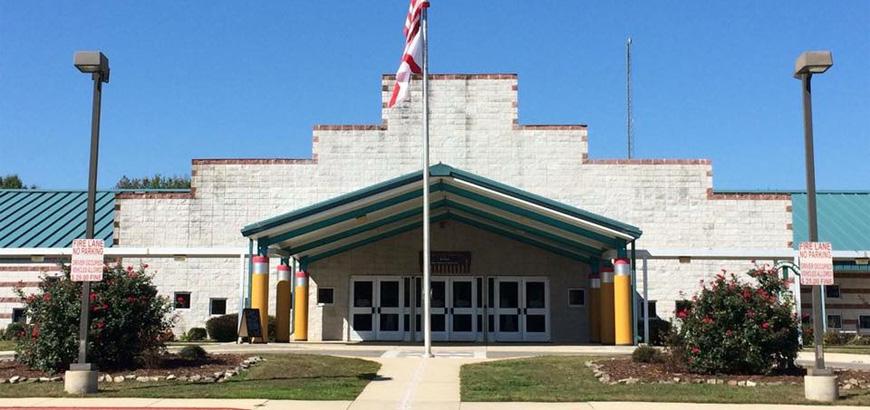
(80, 382)
(821, 388)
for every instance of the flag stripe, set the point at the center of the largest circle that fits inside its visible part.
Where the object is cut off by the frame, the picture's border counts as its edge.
(411, 55)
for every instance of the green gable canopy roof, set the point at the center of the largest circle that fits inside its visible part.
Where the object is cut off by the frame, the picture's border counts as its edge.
(395, 206)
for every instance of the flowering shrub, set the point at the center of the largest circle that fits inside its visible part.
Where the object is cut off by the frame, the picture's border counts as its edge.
(738, 328)
(128, 321)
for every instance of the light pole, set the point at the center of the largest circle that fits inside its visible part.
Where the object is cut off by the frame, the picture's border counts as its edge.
(96, 64)
(807, 64)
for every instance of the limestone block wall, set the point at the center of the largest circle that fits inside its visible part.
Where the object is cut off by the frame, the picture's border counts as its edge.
(24, 275)
(474, 127)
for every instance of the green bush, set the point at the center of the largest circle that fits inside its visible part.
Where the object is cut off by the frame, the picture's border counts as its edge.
(13, 331)
(225, 328)
(738, 328)
(836, 338)
(859, 340)
(196, 334)
(193, 353)
(658, 330)
(128, 321)
(646, 354)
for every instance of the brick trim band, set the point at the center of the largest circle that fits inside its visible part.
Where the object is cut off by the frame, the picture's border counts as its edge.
(154, 195)
(19, 284)
(491, 76)
(30, 268)
(747, 196)
(647, 161)
(351, 127)
(251, 161)
(10, 300)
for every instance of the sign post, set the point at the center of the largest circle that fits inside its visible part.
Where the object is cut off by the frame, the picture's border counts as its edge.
(817, 270)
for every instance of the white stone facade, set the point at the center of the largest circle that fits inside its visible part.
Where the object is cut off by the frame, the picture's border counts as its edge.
(474, 127)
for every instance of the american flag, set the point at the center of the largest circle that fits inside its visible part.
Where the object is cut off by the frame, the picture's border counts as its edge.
(412, 56)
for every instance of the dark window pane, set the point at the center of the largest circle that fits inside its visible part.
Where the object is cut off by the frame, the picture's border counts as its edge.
(362, 294)
(490, 290)
(182, 300)
(832, 291)
(479, 322)
(479, 293)
(438, 297)
(419, 323)
(462, 294)
(326, 296)
(652, 309)
(407, 321)
(218, 307)
(491, 324)
(438, 323)
(407, 292)
(576, 297)
(18, 315)
(535, 295)
(536, 323)
(508, 295)
(389, 293)
(461, 323)
(362, 322)
(389, 322)
(508, 323)
(864, 322)
(834, 322)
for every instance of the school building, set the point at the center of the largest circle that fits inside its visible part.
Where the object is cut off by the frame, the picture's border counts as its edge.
(526, 222)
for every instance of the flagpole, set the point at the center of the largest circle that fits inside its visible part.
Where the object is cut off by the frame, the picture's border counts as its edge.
(427, 279)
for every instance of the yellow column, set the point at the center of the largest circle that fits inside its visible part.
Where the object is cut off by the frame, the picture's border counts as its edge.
(622, 302)
(607, 328)
(260, 294)
(300, 313)
(282, 305)
(594, 307)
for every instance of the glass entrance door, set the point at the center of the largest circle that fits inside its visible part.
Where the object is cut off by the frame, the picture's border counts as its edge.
(376, 308)
(463, 309)
(521, 311)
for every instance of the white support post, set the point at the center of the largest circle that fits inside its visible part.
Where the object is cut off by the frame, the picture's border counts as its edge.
(645, 303)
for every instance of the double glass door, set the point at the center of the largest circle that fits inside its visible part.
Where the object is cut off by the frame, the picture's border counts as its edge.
(389, 307)
(520, 309)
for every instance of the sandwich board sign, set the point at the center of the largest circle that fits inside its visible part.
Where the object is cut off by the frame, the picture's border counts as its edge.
(87, 260)
(250, 325)
(817, 265)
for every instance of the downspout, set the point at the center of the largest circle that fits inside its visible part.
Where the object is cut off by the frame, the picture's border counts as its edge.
(634, 294)
(250, 271)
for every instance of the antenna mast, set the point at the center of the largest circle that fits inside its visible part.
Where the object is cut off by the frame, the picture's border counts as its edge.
(629, 120)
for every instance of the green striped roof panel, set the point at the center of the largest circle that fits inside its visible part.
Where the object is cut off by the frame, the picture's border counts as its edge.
(843, 219)
(52, 219)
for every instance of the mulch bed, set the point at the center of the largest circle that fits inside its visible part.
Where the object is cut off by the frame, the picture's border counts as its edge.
(624, 370)
(171, 364)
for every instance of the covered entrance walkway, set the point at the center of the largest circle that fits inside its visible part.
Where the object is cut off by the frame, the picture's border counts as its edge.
(507, 265)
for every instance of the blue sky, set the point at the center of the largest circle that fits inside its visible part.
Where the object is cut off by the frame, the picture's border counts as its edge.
(249, 79)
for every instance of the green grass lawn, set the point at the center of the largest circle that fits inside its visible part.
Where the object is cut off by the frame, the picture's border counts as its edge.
(7, 345)
(566, 378)
(854, 349)
(285, 376)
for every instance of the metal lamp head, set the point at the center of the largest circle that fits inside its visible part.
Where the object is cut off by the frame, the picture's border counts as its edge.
(813, 62)
(93, 62)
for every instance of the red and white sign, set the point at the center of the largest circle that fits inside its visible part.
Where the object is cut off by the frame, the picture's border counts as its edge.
(87, 260)
(817, 265)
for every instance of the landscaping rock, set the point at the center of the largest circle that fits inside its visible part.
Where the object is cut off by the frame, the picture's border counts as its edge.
(750, 383)
(229, 374)
(118, 379)
(2, 381)
(217, 375)
(142, 379)
(195, 378)
(676, 379)
(711, 381)
(56, 379)
(44, 379)
(208, 380)
(171, 377)
(182, 378)
(155, 378)
(742, 383)
(130, 377)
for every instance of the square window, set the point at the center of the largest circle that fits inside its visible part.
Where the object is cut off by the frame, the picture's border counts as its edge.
(182, 300)
(684, 305)
(217, 306)
(832, 291)
(864, 322)
(835, 322)
(576, 297)
(18, 315)
(325, 296)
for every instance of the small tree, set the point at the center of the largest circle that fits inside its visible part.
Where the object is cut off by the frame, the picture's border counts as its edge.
(13, 182)
(156, 182)
(129, 322)
(738, 328)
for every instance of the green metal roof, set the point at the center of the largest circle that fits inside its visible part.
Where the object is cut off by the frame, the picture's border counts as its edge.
(51, 219)
(394, 206)
(843, 219)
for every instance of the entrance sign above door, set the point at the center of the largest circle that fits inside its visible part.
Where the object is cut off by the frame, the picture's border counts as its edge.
(87, 260)
(817, 265)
